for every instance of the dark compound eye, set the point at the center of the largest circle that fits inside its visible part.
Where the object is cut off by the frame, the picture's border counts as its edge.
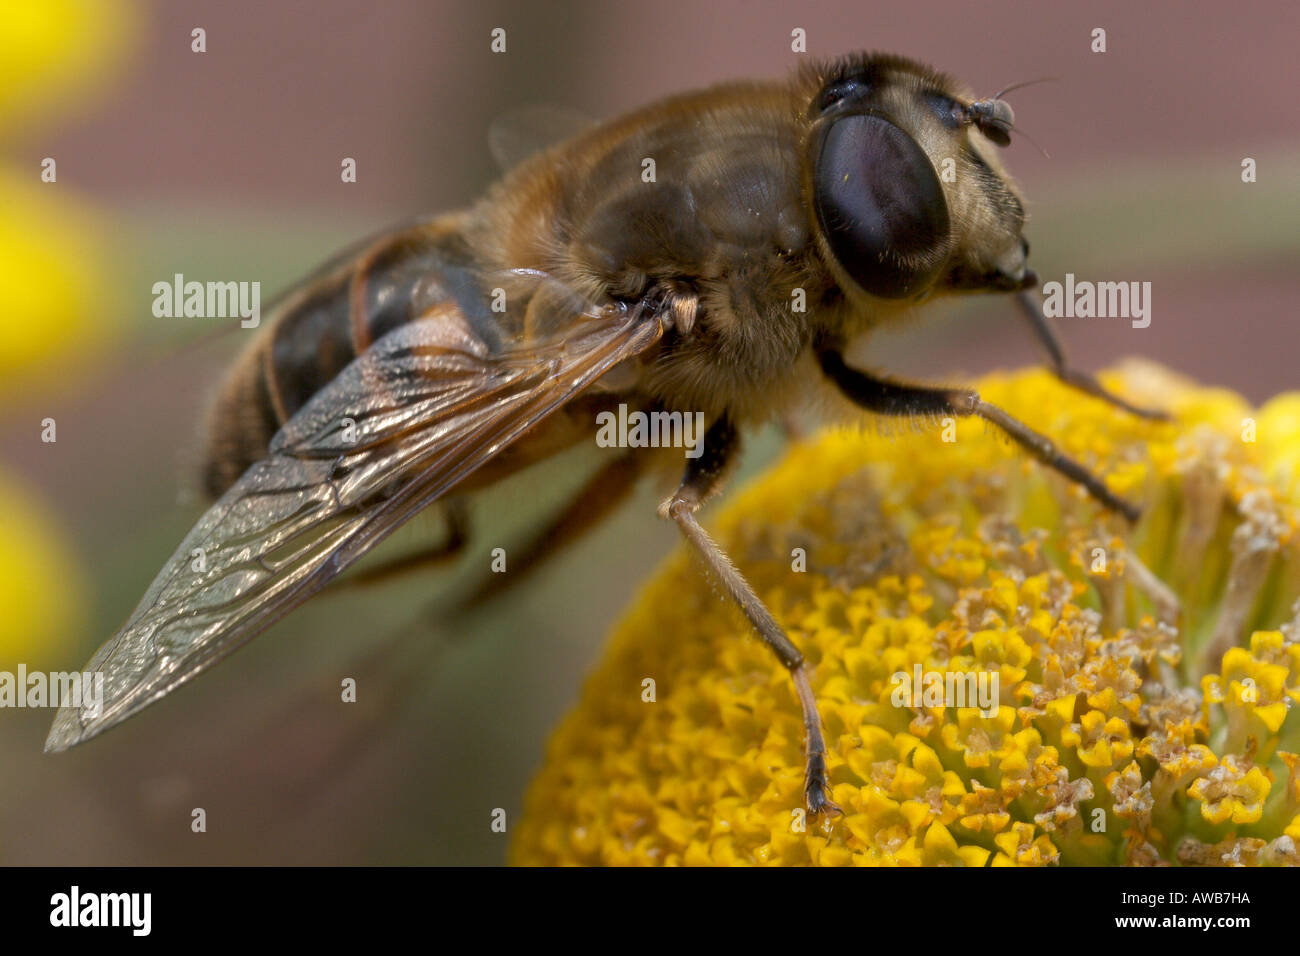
(881, 206)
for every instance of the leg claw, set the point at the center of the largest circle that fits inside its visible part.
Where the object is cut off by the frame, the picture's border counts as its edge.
(816, 792)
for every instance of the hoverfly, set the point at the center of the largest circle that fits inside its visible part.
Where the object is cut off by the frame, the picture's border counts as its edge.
(388, 383)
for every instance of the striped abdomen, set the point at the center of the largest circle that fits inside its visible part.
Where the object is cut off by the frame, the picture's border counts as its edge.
(326, 322)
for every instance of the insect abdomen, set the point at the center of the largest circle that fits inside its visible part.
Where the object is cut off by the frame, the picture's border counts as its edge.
(320, 327)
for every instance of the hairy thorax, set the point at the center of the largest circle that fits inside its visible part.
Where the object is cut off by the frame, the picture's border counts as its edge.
(695, 205)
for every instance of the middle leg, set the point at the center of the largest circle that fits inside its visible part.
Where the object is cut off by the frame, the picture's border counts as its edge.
(703, 477)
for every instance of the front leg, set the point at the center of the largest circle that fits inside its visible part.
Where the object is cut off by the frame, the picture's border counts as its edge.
(1032, 307)
(896, 398)
(703, 477)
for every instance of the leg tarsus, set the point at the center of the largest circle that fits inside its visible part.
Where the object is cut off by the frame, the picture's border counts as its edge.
(1082, 381)
(1045, 451)
(703, 475)
(816, 785)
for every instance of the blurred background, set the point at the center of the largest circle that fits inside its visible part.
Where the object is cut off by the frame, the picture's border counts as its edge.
(224, 165)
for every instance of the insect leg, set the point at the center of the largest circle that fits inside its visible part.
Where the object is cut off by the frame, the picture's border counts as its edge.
(443, 551)
(704, 476)
(1073, 377)
(895, 398)
(601, 494)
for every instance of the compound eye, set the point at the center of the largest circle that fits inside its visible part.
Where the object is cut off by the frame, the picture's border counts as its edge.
(881, 206)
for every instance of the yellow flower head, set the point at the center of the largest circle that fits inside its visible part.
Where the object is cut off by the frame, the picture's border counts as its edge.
(1085, 692)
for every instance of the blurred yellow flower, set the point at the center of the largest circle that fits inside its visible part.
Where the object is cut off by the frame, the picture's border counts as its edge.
(40, 582)
(56, 287)
(1147, 676)
(55, 275)
(60, 299)
(52, 50)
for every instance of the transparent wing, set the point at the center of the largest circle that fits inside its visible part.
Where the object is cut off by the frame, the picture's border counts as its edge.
(518, 134)
(420, 410)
